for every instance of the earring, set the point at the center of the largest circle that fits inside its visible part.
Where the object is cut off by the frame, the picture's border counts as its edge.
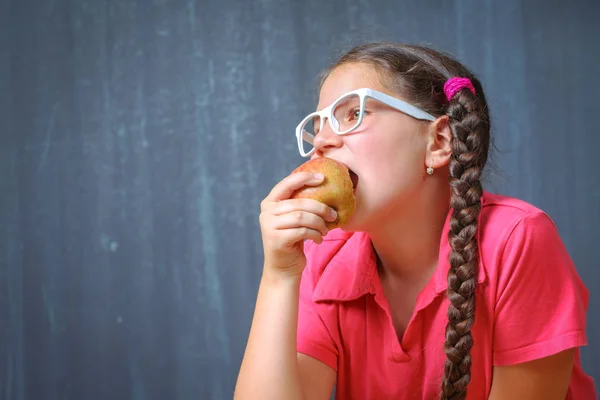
(430, 170)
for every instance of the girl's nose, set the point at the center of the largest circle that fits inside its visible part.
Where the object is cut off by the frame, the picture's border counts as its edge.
(326, 139)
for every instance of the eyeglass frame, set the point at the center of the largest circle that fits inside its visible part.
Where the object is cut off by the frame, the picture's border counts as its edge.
(363, 93)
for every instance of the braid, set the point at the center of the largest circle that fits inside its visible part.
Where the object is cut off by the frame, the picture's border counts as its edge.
(469, 150)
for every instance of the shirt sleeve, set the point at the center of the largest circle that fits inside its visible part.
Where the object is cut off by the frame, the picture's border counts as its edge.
(541, 302)
(314, 338)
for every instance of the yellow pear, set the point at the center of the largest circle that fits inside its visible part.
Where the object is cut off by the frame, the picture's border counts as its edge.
(336, 190)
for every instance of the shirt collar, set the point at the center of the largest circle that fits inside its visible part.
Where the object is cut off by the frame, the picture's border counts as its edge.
(350, 271)
(352, 268)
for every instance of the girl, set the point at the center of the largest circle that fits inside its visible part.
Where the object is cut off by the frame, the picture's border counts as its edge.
(435, 288)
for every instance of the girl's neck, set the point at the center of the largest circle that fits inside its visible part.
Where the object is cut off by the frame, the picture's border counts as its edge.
(407, 244)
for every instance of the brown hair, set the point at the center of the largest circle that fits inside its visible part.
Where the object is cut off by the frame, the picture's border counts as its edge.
(418, 74)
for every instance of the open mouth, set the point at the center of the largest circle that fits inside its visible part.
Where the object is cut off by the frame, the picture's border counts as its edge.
(354, 179)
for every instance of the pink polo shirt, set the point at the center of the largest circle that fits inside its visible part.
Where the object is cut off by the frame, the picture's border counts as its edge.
(530, 303)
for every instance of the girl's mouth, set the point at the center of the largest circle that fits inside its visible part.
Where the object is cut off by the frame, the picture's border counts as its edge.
(354, 179)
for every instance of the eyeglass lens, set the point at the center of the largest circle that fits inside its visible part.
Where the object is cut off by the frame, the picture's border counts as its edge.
(346, 115)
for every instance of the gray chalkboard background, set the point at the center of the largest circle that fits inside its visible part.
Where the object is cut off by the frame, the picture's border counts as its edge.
(137, 139)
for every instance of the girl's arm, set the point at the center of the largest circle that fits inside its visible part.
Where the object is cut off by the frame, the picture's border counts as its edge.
(271, 368)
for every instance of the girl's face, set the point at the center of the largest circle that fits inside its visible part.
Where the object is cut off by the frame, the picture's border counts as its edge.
(388, 152)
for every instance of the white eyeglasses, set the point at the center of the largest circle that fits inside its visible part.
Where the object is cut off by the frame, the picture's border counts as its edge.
(346, 113)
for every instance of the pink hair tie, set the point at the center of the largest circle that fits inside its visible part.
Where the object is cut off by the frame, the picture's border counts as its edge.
(454, 85)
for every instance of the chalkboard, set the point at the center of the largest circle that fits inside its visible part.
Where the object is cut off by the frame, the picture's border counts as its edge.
(138, 138)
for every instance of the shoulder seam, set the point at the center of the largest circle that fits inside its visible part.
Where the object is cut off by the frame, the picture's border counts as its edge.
(518, 222)
(497, 204)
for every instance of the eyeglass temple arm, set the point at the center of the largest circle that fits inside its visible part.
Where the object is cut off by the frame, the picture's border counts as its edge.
(310, 138)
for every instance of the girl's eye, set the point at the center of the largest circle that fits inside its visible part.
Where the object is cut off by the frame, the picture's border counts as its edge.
(354, 113)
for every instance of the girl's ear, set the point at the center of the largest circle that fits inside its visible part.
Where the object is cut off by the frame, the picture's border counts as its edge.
(439, 147)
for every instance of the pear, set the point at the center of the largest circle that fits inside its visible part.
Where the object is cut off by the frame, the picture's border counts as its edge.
(336, 190)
